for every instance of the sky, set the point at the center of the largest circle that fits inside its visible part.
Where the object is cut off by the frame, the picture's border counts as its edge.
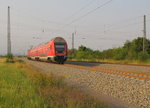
(99, 24)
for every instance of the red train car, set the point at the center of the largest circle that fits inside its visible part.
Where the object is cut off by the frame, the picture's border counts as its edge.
(54, 50)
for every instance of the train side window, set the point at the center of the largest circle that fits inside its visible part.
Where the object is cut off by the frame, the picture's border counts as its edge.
(48, 50)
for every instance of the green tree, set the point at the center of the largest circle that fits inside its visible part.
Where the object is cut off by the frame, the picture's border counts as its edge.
(143, 56)
(120, 54)
(132, 50)
(137, 45)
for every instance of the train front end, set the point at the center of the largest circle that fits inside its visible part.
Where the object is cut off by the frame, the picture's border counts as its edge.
(61, 50)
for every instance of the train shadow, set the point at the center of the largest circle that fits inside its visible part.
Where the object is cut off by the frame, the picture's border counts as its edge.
(82, 63)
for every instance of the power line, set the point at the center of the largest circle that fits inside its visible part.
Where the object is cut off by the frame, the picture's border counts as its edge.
(84, 7)
(77, 19)
(127, 20)
(32, 17)
(91, 11)
(111, 27)
(148, 14)
(127, 25)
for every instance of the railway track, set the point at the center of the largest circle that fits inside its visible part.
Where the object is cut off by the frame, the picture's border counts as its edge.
(140, 65)
(119, 72)
(110, 80)
(114, 71)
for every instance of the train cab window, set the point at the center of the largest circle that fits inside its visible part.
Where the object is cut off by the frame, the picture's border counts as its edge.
(60, 48)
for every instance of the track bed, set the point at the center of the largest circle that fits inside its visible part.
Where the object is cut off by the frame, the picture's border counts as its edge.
(123, 86)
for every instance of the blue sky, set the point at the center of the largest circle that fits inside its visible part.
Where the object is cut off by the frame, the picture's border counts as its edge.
(37, 21)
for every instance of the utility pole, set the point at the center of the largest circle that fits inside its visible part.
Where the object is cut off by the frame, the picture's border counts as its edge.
(144, 34)
(72, 42)
(8, 34)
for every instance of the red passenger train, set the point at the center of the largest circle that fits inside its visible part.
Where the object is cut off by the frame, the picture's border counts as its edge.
(55, 50)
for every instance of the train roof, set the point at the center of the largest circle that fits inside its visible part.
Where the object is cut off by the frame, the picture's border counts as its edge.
(59, 39)
(56, 39)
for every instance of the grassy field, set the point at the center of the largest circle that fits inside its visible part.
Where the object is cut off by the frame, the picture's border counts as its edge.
(16, 91)
(21, 86)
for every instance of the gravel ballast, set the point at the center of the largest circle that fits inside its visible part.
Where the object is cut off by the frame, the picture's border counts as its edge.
(135, 92)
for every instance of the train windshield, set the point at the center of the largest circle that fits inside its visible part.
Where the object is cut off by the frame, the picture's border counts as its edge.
(60, 48)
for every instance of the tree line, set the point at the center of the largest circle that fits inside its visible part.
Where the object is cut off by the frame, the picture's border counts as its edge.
(131, 50)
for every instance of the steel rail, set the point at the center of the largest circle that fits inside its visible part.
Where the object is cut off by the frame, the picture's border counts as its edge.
(121, 73)
(144, 74)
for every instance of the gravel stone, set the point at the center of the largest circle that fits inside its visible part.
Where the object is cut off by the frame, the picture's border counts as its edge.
(132, 91)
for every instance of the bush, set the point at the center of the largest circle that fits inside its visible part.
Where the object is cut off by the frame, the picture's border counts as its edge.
(131, 55)
(10, 56)
(132, 50)
(10, 60)
(120, 54)
(20, 61)
(143, 56)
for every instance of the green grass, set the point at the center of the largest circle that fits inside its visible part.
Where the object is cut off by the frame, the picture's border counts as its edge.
(57, 94)
(21, 86)
(16, 91)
